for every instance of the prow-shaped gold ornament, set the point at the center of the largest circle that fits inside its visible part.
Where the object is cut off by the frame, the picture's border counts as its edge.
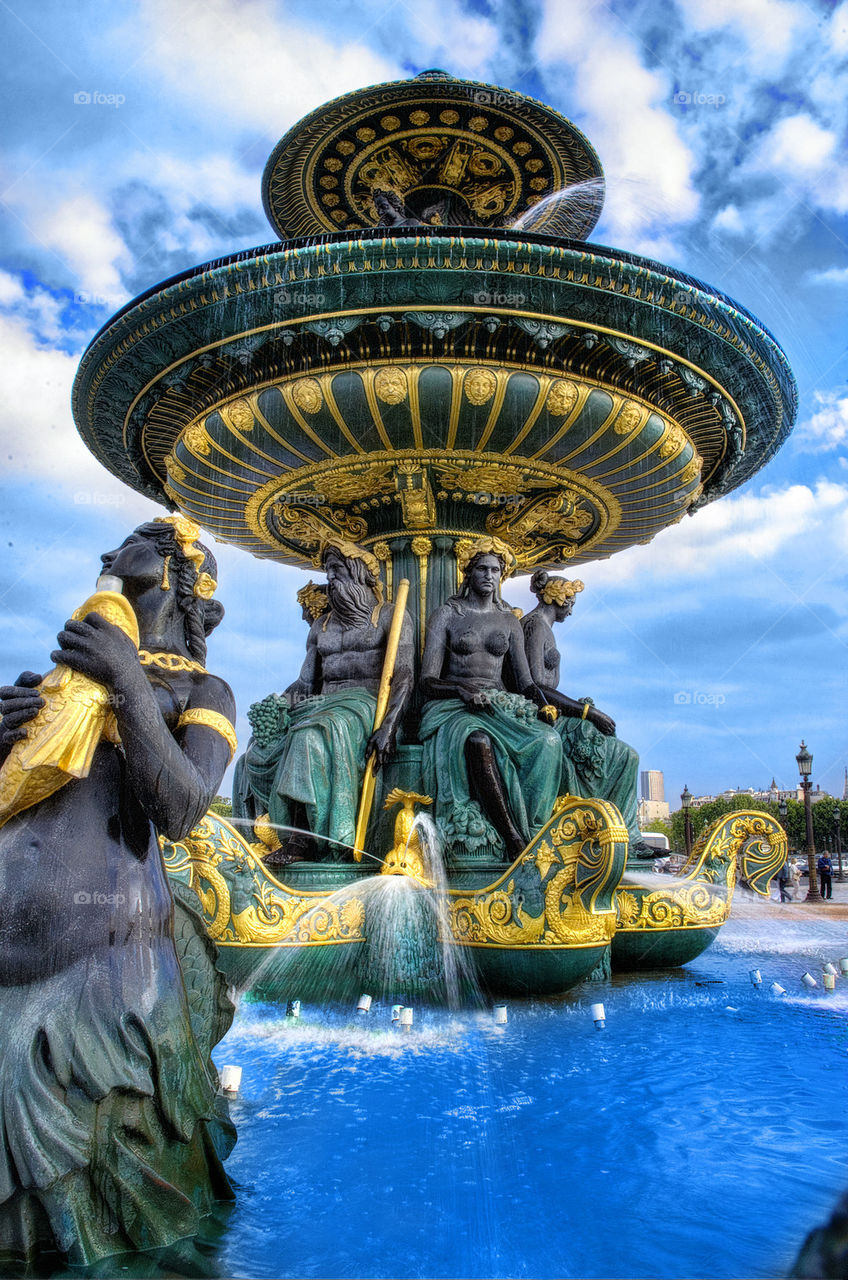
(405, 858)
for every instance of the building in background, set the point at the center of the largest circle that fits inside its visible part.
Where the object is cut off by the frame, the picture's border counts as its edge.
(652, 784)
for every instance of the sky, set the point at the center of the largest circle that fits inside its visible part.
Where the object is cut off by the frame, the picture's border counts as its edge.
(134, 141)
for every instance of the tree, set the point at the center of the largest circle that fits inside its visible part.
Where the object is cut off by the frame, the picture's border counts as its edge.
(222, 806)
(706, 815)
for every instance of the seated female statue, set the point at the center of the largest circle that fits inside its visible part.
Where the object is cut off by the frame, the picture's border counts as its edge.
(112, 1132)
(492, 765)
(595, 764)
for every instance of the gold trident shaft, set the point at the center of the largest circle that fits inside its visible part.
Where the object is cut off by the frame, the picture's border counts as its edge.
(369, 782)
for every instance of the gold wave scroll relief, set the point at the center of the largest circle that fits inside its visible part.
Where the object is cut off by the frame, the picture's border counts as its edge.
(560, 891)
(243, 904)
(747, 846)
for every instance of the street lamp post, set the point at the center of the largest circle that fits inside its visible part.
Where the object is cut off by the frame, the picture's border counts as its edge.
(686, 800)
(837, 835)
(805, 768)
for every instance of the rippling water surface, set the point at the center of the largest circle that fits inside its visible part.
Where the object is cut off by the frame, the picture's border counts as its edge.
(702, 1133)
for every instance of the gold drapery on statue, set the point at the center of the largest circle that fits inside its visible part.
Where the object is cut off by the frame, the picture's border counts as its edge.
(76, 715)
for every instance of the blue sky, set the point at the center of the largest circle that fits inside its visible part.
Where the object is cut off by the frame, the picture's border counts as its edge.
(135, 136)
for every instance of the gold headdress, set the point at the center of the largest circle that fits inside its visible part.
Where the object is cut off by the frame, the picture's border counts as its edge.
(465, 549)
(351, 551)
(313, 599)
(559, 590)
(186, 533)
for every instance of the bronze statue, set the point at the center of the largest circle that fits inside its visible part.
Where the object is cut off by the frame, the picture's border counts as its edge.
(113, 1134)
(595, 764)
(308, 777)
(490, 762)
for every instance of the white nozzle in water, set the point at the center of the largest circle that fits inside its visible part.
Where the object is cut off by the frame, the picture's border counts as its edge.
(499, 1015)
(829, 981)
(397, 1010)
(293, 1009)
(108, 582)
(363, 1005)
(406, 1019)
(843, 964)
(808, 980)
(230, 1079)
(598, 1015)
(777, 990)
(756, 978)
(830, 968)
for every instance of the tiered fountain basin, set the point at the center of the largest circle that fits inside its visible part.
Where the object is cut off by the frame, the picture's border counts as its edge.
(410, 387)
(571, 399)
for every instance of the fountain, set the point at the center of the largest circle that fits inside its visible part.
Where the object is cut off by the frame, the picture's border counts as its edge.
(422, 374)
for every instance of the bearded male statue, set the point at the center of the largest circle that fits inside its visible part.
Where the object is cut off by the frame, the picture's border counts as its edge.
(305, 763)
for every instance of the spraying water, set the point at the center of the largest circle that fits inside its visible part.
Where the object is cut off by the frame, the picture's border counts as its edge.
(566, 212)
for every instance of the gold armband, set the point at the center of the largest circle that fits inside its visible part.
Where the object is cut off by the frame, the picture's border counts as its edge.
(212, 720)
(586, 706)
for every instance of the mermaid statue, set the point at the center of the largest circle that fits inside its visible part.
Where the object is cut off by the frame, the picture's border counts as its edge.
(595, 763)
(491, 758)
(113, 1133)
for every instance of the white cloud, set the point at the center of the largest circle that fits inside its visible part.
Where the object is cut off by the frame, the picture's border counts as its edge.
(248, 65)
(79, 231)
(796, 146)
(461, 42)
(728, 537)
(730, 221)
(626, 108)
(769, 28)
(831, 275)
(38, 438)
(828, 426)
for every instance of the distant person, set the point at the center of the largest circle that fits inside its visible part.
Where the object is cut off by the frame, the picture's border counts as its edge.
(825, 870)
(796, 877)
(784, 879)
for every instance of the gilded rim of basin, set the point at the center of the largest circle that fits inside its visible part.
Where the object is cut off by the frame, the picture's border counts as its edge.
(493, 154)
(534, 309)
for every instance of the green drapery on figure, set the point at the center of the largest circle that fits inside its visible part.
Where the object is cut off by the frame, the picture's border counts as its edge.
(528, 757)
(318, 763)
(598, 766)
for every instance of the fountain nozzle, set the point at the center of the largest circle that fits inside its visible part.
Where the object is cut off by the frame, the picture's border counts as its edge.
(405, 858)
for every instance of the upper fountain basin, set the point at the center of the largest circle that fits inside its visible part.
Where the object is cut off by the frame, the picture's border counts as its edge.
(571, 398)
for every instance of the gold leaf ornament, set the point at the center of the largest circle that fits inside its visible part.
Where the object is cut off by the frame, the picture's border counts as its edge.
(306, 394)
(390, 385)
(480, 386)
(241, 415)
(562, 397)
(195, 438)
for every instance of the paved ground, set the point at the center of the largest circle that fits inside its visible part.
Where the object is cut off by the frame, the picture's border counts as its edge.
(836, 907)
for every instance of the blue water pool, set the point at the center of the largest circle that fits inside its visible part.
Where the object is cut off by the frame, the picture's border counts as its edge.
(702, 1133)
